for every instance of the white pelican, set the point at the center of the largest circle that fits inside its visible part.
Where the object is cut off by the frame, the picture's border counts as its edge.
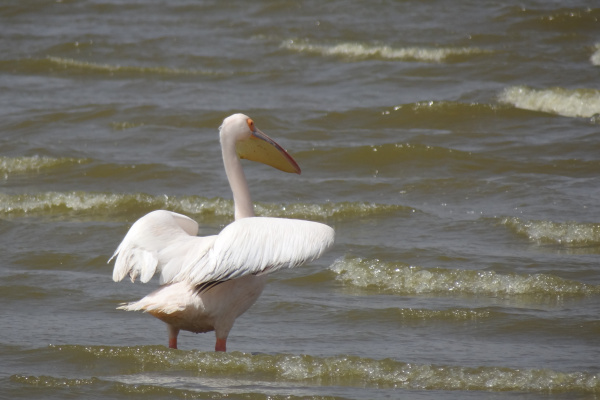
(207, 282)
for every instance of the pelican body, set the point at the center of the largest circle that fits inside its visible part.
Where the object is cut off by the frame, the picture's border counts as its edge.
(207, 282)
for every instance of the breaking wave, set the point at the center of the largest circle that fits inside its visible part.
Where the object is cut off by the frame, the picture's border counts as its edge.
(568, 103)
(305, 369)
(563, 233)
(12, 165)
(403, 279)
(111, 205)
(364, 51)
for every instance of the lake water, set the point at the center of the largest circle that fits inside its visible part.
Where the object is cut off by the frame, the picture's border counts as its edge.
(454, 147)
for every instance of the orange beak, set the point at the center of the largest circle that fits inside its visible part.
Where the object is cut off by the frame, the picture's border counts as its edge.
(261, 148)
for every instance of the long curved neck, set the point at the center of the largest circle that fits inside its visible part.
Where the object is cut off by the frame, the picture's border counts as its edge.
(237, 180)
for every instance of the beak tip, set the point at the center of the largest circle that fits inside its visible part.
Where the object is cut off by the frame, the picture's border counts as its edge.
(296, 167)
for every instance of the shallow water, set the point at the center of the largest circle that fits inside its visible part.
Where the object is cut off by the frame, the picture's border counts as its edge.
(452, 145)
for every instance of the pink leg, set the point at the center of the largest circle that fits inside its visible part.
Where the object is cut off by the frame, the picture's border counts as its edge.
(173, 332)
(221, 344)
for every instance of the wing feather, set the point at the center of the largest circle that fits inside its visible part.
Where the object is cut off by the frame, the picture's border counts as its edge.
(165, 242)
(259, 245)
(161, 241)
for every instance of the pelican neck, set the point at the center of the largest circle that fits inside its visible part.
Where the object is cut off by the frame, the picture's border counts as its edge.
(237, 181)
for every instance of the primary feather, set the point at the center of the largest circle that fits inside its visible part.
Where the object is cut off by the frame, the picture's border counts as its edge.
(164, 242)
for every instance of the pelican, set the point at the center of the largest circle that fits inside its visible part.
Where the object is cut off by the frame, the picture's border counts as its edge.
(207, 282)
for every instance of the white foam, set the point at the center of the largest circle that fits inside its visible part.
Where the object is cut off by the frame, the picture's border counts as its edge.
(403, 279)
(359, 50)
(595, 57)
(343, 369)
(94, 204)
(567, 233)
(10, 165)
(565, 102)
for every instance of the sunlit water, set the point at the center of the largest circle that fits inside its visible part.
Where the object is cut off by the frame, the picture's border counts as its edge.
(452, 145)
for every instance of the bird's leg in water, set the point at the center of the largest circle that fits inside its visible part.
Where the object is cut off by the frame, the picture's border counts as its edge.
(221, 344)
(173, 332)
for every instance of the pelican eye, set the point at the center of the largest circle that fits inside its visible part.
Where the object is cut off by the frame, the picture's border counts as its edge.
(251, 124)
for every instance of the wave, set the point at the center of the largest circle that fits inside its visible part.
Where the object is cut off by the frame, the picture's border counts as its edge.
(446, 108)
(403, 279)
(563, 233)
(123, 125)
(70, 65)
(107, 205)
(571, 19)
(385, 158)
(341, 370)
(112, 205)
(12, 165)
(356, 50)
(423, 114)
(555, 19)
(595, 57)
(419, 314)
(151, 386)
(568, 103)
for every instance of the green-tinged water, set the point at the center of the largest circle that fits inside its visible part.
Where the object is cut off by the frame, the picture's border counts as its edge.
(154, 370)
(453, 146)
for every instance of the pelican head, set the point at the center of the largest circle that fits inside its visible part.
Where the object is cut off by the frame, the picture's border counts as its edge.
(254, 145)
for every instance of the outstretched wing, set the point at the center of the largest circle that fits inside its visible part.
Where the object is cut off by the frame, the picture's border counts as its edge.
(166, 242)
(161, 241)
(259, 245)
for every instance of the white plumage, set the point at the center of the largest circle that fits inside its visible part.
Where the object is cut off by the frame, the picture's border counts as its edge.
(207, 282)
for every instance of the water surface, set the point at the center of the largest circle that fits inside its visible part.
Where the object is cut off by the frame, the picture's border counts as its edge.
(452, 145)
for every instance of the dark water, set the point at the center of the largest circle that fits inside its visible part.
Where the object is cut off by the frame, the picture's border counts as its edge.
(452, 145)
